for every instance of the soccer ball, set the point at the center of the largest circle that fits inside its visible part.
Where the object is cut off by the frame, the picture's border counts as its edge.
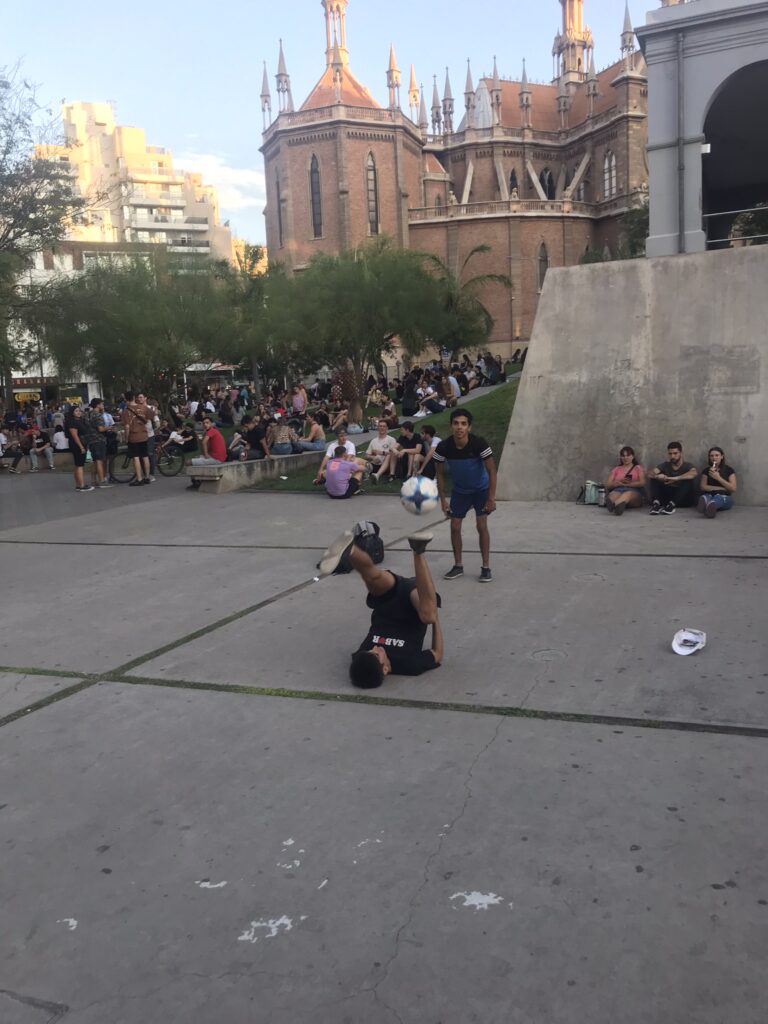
(419, 494)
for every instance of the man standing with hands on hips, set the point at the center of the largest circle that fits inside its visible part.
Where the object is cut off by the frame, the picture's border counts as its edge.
(473, 473)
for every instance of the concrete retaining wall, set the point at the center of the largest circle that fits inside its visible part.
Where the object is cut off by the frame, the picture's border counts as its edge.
(235, 476)
(642, 352)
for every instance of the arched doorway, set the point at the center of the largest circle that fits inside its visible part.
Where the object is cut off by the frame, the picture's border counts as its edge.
(735, 170)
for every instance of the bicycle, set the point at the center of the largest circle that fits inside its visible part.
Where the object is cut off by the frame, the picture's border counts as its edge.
(169, 461)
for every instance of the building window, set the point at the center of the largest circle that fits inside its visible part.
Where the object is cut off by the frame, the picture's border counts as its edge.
(513, 186)
(542, 266)
(315, 198)
(372, 192)
(547, 183)
(609, 175)
(279, 213)
(438, 203)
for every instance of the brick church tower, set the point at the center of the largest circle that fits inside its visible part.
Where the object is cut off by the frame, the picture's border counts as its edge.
(539, 172)
(341, 169)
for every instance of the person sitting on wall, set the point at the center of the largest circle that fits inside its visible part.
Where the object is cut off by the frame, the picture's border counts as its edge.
(625, 485)
(672, 482)
(717, 484)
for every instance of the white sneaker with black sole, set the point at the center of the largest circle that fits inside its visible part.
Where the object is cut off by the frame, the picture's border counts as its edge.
(336, 554)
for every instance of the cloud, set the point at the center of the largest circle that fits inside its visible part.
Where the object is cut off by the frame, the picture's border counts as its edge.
(239, 188)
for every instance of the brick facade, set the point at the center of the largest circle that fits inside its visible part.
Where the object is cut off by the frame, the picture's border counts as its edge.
(446, 193)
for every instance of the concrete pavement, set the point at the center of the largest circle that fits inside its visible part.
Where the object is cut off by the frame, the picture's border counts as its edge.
(202, 822)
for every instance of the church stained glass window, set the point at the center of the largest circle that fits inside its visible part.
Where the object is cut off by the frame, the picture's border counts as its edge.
(315, 198)
(372, 192)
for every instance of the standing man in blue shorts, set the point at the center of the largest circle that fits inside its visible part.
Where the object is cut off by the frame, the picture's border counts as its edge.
(473, 474)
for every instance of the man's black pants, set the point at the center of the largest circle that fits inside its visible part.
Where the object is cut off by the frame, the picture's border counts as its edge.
(683, 494)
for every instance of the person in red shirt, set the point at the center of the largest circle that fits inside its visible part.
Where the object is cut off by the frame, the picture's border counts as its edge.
(214, 449)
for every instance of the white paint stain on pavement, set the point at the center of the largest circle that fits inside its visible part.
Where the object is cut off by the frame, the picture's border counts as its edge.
(478, 900)
(206, 883)
(288, 842)
(366, 841)
(70, 922)
(323, 883)
(289, 865)
(272, 926)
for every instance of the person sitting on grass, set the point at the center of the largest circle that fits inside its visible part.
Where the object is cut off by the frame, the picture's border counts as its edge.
(410, 448)
(381, 453)
(343, 475)
(625, 485)
(401, 610)
(315, 439)
(389, 413)
(346, 444)
(423, 463)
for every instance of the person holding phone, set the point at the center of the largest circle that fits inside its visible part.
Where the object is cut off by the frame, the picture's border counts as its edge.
(717, 484)
(625, 485)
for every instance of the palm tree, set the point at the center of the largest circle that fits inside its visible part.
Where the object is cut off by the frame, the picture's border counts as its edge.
(467, 321)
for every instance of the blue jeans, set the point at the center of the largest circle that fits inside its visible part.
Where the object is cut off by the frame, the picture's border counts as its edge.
(723, 501)
(281, 449)
(313, 446)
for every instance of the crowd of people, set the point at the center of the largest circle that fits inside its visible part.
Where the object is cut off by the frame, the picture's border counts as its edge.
(672, 484)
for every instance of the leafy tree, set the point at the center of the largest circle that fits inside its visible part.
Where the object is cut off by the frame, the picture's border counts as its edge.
(752, 227)
(132, 322)
(466, 321)
(634, 228)
(350, 308)
(38, 199)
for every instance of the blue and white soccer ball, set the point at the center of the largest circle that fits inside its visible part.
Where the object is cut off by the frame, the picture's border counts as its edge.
(419, 494)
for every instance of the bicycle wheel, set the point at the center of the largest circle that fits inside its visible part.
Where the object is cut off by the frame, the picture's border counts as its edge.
(170, 461)
(121, 468)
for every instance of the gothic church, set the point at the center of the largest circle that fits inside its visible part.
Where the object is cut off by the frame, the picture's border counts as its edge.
(540, 173)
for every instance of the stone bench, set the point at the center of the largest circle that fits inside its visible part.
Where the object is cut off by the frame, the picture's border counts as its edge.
(235, 476)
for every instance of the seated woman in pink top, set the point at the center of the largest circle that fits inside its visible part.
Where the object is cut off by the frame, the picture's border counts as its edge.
(625, 486)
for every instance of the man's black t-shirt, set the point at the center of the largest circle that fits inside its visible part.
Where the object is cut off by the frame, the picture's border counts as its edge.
(396, 626)
(414, 441)
(667, 469)
(42, 440)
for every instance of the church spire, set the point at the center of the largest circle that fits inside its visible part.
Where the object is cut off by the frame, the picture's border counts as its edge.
(437, 110)
(393, 80)
(573, 43)
(266, 100)
(423, 122)
(335, 31)
(525, 99)
(284, 97)
(447, 105)
(496, 94)
(413, 96)
(469, 99)
(592, 86)
(627, 39)
(338, 69)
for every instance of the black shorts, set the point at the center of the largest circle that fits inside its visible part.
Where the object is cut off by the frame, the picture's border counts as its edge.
(77, 455)
(98, 451)
(462, 503)
(396, 604)
(352, 488)
(138, 449)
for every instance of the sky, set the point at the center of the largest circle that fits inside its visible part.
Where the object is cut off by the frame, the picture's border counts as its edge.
(189, 73)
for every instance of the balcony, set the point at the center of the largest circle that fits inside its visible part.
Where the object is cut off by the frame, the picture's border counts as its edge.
(500, 208)
(191, 245)
(161, 222)
(137, 197)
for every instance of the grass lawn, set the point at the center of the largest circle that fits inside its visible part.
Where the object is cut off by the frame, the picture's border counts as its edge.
(491, 414)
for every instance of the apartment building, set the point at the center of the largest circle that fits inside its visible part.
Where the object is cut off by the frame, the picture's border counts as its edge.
(135, 194)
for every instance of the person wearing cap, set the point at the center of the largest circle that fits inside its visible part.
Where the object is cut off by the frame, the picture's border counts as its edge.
(717, 484)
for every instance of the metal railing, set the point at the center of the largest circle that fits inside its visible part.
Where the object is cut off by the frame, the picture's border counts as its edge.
(500, 207)
(732, 241)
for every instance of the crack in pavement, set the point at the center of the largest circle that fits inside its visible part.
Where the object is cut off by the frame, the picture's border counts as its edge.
(427, 869)
(56, 1010)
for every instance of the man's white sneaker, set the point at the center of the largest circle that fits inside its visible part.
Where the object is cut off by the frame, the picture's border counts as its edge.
(336, 555)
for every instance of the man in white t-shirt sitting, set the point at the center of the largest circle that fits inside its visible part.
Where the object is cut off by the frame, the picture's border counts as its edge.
(341, 440)
(382, 452)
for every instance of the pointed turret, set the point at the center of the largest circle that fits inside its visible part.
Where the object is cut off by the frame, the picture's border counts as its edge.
(335, 30)
(284, 97)
(572, 43)
(266, 99)
(525, 99)
(337, 65)
(423, 122)
(563, 103)
(437, 109)
(627, 39)
(469, 99)
(393, 80)
(496, 94)
(413, 96)
(447, 105)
